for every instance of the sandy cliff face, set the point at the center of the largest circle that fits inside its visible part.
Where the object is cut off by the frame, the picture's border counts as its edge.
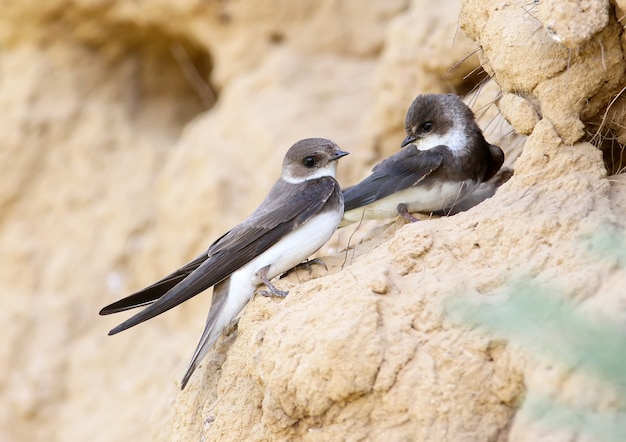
(135, 133)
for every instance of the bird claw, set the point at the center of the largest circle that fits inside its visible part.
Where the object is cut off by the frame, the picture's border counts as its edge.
(308, 264)
(403, 211)
(274, 293)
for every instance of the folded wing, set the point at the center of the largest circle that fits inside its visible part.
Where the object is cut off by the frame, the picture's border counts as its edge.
(275, 218)
(398, 172)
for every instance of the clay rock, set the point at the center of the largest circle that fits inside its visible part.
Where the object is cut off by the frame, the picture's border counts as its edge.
(524, 59)
(573, 23)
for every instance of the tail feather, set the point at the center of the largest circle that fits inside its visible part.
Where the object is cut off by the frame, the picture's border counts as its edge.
(215, 324)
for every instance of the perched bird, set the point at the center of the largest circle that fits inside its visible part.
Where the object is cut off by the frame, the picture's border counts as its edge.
(444, 158)
(297, 217)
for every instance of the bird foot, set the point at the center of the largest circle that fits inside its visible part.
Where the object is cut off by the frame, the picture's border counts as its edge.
(272, 291)
(308, 264)
(403, 211)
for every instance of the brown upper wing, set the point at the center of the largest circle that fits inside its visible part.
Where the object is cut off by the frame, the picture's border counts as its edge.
(284, 209)
(398, 172)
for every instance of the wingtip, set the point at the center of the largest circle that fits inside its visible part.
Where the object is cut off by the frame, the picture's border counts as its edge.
(120, 328)
(122, 305)
(111, 309)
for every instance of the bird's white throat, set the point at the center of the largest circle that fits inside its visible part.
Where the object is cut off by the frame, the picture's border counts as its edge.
(329, 170)
(455, 139)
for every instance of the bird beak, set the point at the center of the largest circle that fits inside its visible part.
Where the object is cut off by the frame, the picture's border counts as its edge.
(408, 140)
(339, 154)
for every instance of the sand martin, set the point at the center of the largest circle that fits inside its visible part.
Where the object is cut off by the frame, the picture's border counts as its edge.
(297, 217)
(444, 158)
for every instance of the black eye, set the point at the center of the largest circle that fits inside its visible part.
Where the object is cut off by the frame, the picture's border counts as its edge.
(308, 161)
(427, 126)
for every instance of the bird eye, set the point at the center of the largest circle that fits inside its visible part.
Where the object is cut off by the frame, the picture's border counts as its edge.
(427, 126)
(308, 161)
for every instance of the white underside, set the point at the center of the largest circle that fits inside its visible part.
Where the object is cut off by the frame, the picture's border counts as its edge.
(418, 199)
(291, 250)
(282, 256)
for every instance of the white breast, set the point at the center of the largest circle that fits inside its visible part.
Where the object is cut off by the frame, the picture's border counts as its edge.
(291, 250)
(418, 199)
